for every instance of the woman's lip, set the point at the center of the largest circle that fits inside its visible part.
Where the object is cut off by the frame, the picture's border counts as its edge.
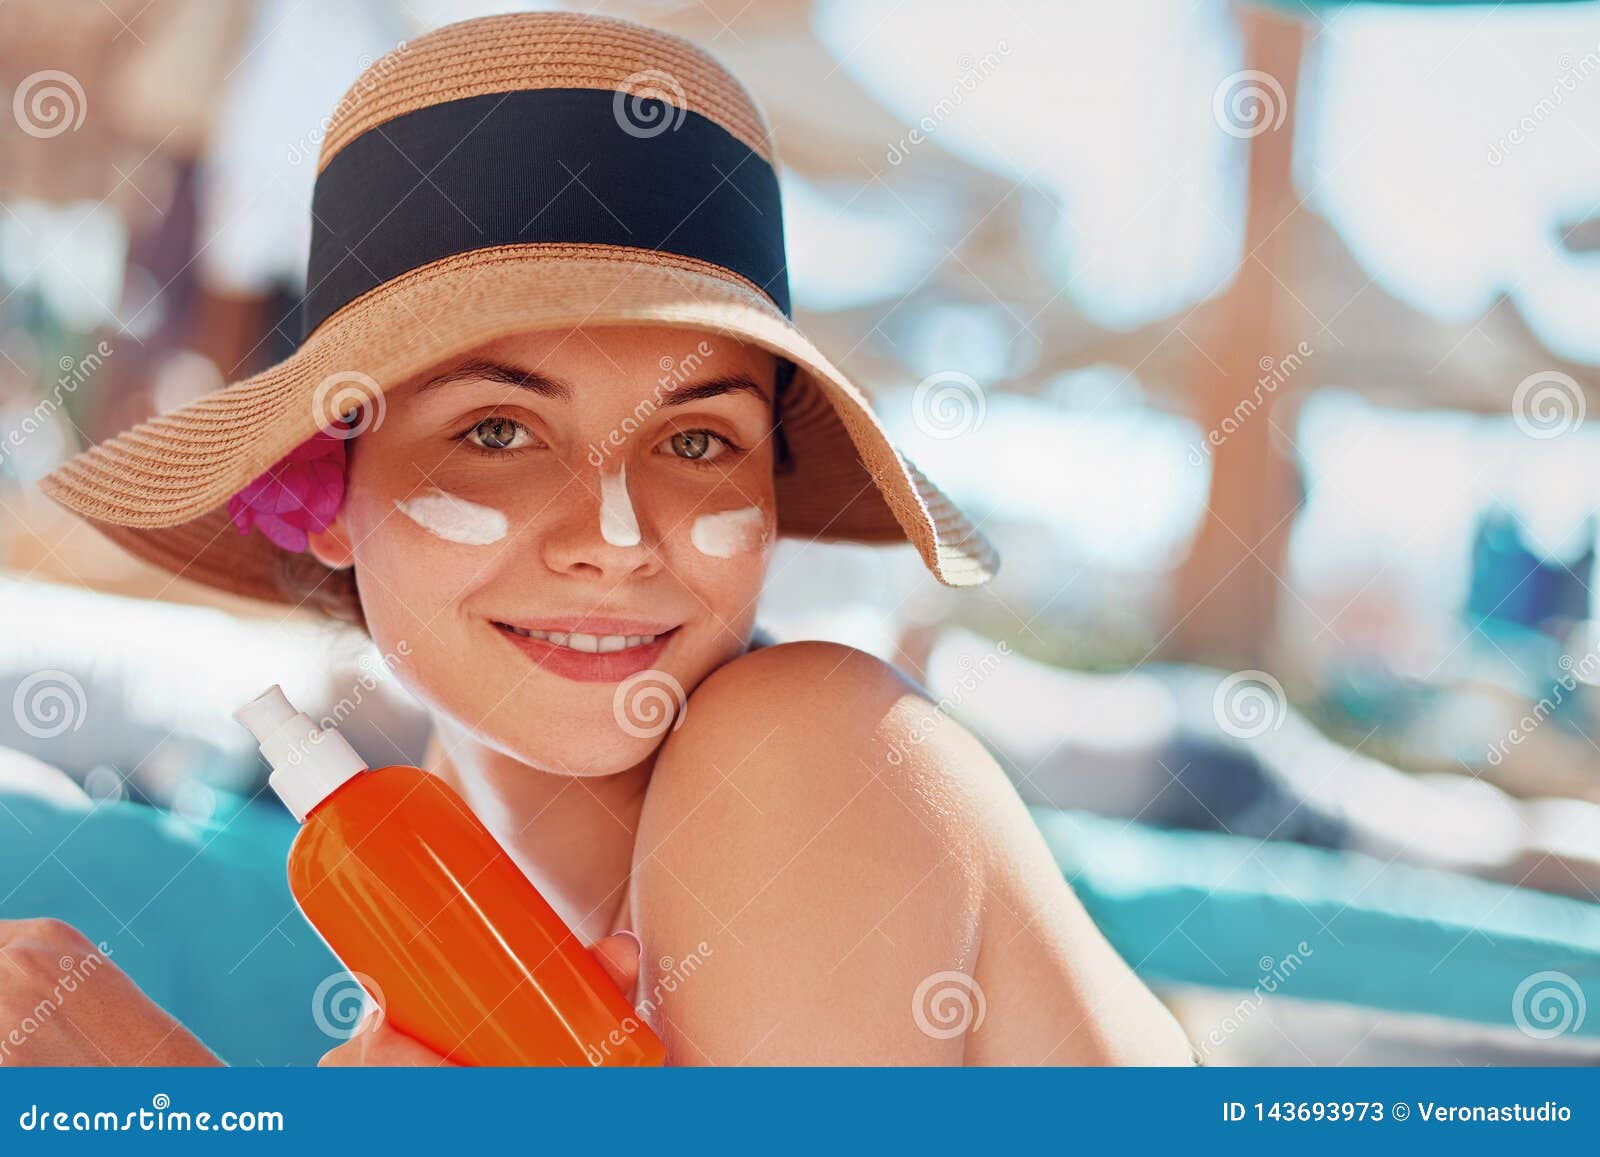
(588, 666)
(591, 625)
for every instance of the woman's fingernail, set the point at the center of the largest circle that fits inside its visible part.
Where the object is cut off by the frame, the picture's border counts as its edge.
(634, 936)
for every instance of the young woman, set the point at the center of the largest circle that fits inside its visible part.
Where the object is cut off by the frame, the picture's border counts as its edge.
(548, 419)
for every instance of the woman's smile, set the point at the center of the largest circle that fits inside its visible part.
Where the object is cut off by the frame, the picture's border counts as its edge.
(475, 509)
(546, 420)
(590, 649)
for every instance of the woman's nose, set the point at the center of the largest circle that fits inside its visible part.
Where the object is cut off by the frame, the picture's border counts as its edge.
(600, 530)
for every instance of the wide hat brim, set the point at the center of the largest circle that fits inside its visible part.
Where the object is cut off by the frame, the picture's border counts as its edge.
(161, 489)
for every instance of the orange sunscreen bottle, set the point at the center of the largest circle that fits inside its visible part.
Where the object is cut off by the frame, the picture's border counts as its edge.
(417, 899)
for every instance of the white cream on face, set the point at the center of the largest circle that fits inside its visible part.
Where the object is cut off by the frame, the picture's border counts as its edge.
(618, 524)
(454, 519)
(729, 533)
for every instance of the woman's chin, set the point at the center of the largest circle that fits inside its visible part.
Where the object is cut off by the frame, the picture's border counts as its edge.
(555, 725)
(574, 749)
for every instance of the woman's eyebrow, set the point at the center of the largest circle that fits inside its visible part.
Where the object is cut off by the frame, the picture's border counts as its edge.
(728, 384)
(487, 371)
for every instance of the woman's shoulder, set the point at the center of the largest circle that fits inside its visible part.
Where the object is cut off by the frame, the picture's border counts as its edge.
(814, 824)
(832, 852)
(834, 717)
(823, 851)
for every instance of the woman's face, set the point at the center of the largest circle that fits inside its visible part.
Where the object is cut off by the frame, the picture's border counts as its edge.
(568, 530)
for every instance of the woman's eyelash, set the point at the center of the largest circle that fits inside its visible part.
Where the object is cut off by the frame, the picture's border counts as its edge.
(497, 428)
(509, 431)
(728, 445)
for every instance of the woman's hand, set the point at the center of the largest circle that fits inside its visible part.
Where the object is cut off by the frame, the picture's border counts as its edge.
(376, 1043)
(62, 1002)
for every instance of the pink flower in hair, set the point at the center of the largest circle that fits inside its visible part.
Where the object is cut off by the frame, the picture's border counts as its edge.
(299, 495)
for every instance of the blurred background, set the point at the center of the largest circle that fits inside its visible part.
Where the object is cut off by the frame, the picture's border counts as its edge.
(1261, 337)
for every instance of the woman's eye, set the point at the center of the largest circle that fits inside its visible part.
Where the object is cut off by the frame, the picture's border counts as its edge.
(499, 434)
(696, 445)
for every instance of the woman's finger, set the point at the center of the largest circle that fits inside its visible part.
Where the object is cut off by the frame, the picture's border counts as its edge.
(378, 1045)
(352, 1053)
(619, 955)
(390, 1048)
(345, 1056)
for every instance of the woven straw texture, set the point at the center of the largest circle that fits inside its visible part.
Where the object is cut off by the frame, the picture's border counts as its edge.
(161, 489)
(544, 50)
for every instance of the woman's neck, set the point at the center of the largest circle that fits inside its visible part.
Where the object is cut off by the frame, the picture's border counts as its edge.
(573, 836)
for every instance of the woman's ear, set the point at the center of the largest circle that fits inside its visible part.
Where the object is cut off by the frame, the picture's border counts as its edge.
(331, 545)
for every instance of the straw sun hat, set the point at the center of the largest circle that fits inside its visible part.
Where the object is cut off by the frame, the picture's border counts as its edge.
(497, 176)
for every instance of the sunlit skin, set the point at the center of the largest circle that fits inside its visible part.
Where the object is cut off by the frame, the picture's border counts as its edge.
(508, 439)
(818, 886)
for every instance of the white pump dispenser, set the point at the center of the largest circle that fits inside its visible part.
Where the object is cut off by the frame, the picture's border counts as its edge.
(308, 764)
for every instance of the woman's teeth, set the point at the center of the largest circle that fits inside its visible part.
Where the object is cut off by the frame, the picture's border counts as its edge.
(594, 644)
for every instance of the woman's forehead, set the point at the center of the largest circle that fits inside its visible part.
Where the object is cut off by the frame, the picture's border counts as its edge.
(634, 349)
(624, 361)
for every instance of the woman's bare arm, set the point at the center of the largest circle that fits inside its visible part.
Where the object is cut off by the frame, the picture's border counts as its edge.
(62, 1002)
(818, 884)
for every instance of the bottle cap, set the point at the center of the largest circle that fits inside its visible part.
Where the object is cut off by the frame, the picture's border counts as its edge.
(308, 763)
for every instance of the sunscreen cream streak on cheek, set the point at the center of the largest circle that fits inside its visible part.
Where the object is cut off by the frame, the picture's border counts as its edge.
(454, 519)
(729, 533)
(618, 524)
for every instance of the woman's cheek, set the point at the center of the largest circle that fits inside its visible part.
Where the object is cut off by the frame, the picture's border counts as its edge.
(451, 518)
(412, 580)
(731, 534)
(724, 553)
(417, 555)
